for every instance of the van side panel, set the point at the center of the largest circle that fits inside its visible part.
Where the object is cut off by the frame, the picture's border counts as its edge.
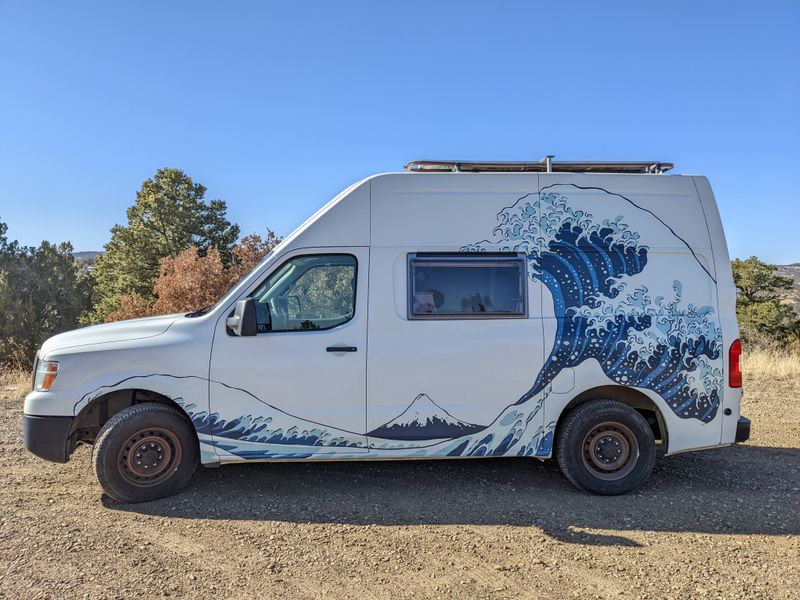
(628, 297)
(726, 301)
(622, 290)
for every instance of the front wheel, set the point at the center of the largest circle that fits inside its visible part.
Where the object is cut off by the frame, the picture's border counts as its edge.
(145, 452)
(606, 447)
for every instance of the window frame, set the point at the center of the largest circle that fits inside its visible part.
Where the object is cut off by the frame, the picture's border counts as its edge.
(279, 266)
(465, 257)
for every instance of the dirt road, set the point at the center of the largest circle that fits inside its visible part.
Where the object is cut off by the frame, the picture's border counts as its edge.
(721, 523)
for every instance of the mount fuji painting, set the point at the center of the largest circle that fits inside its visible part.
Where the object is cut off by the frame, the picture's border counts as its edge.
(424, 420)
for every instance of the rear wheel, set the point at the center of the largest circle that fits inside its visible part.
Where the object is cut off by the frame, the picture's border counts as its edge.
(605, 447)
(145, 452)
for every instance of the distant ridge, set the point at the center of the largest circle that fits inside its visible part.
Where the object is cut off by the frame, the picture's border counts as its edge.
(88, 255)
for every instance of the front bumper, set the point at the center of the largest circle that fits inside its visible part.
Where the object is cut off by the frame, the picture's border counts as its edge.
(742, 429)
(48, 437)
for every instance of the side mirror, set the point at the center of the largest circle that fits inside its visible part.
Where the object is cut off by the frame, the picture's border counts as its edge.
(243, 322)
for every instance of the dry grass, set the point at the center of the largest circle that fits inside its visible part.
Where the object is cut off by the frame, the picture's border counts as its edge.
(770, 363)
(14, 382)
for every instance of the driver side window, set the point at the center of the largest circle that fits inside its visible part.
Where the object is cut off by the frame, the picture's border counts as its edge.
(308, 293)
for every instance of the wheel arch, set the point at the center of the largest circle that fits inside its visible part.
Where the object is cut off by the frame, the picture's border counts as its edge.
(632, 397)
(99, 410)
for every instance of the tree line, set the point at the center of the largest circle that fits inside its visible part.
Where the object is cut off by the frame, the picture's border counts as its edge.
(178, 252)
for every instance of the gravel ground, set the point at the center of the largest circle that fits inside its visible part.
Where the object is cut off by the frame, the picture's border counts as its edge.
(719, 523)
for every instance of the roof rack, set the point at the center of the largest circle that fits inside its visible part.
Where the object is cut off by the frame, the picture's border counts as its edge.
(546, 165)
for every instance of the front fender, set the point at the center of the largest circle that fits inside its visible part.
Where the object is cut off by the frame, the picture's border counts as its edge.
(55, 403)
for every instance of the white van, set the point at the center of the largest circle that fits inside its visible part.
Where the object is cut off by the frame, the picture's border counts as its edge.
(455, 310)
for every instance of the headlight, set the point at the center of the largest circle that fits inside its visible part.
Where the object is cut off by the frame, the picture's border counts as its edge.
(46, 373)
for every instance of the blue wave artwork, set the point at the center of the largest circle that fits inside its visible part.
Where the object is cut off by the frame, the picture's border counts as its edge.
(269, 429)
(661, 344)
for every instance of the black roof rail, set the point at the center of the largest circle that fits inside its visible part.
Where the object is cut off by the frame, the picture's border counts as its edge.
(546, 165)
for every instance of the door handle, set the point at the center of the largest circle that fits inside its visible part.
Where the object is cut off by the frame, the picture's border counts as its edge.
(341, 349)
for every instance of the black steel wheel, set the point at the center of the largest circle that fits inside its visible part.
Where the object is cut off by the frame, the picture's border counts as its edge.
(605, 447)
(609, 451)
(145, 452)
(149, 456)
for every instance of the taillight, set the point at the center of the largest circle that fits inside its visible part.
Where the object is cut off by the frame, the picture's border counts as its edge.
(735, 365)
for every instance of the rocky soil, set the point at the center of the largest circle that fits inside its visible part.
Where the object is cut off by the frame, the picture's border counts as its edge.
(716, 524)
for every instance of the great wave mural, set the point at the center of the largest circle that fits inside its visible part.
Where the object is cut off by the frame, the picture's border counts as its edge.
(592, 250)
(605, 305)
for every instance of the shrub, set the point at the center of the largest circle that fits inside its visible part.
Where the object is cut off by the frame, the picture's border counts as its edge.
(191, 281)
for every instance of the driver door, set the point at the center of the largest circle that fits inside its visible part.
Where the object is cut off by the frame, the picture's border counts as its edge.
(297, 389)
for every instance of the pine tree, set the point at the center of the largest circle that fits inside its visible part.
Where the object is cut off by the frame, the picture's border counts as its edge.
(170, 215)
(763, 317)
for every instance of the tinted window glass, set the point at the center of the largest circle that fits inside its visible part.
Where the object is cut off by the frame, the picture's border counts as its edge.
(308, 293)
(466, 286)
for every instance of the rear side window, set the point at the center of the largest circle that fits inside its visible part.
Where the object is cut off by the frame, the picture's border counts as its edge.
(466, 286)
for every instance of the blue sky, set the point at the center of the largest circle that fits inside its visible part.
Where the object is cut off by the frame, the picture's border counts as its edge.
(276, 107)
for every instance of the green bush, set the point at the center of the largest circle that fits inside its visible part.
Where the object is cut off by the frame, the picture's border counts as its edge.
(764, 320)
(43, 291)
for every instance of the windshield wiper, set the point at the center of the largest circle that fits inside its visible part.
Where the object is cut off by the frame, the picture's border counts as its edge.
(200, 312)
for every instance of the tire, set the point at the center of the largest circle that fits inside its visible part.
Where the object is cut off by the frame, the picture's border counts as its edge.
(145, 452)
(605, 447)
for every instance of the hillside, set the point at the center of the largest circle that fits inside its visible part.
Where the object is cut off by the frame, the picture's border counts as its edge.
(792, 296)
